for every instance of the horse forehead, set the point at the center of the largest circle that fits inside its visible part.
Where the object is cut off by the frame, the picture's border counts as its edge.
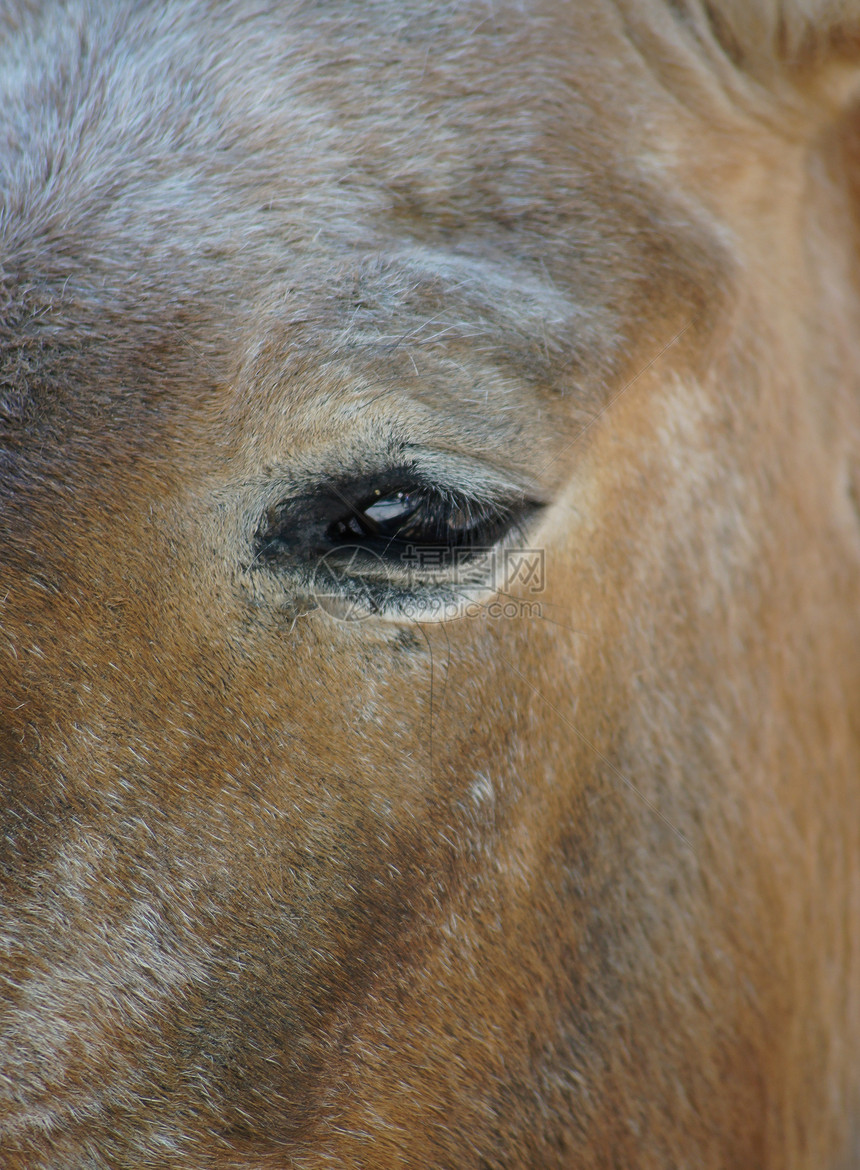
(247, 184)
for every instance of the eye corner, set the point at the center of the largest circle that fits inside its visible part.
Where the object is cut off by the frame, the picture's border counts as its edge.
(267, 541)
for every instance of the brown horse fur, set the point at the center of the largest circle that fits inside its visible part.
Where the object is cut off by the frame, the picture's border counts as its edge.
(575, 888)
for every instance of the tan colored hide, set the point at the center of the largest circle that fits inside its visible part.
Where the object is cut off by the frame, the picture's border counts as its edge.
(429, 593)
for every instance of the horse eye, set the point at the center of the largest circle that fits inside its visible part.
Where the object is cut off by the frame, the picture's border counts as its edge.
(388, 521)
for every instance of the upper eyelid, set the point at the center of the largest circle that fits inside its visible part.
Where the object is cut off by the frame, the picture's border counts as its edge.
(472, 477)
(357, 492)
(435, 467)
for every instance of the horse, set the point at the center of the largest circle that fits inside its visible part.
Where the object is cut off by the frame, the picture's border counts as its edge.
(429, 592)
